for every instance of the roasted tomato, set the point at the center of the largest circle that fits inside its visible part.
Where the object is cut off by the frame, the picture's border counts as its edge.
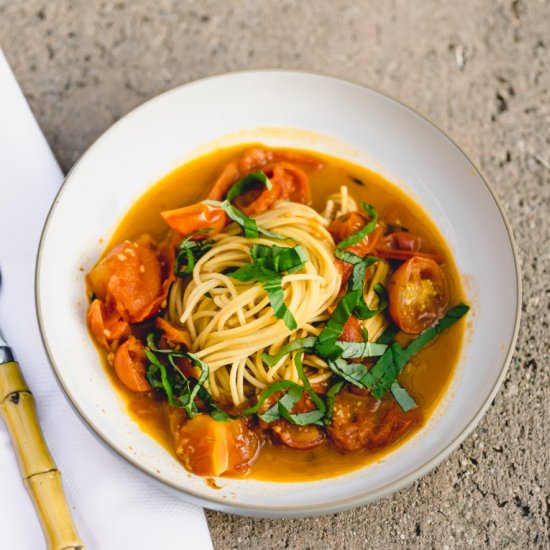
(292, 180)
(173, 333)
(418, 295)
(130, 365)
(352, 330)
(347, 224)
(196, 217)
(130, 278)
(298, 437)
(292, 435)
(260, 199)
(106, 324)
(402, 245)
(361, 422)
(210, 448)
(289, 182)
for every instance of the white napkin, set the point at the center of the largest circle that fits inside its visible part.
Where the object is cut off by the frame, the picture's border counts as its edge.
(114, 505)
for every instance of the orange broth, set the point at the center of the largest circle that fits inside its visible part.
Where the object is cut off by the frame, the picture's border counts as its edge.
(426, 376)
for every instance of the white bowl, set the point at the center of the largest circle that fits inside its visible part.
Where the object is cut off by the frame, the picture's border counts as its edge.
(296, 110)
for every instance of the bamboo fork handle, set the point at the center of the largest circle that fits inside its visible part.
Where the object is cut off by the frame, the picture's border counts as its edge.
(40, 474)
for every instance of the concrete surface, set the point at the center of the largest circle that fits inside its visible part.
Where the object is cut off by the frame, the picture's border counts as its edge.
(479, 69)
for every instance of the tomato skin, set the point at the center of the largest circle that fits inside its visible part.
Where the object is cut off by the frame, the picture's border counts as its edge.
(301, 438)
(292, 180)
(361, 422)
(210, 448)
(347, 224)
(130, 364)
(288, 182)
(259, 158)
(402, 245)
(352, 330)
(130, 279)
(256, 201)
(196, 217)
(174, 333)
(418, 295)
(106, 324)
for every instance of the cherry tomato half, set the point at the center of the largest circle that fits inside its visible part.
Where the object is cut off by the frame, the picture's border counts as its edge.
(418, 294)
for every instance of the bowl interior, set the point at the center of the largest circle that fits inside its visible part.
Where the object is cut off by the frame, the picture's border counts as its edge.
(296, 110)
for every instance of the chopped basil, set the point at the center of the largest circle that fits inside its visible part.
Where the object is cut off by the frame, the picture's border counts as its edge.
(268, 262)
(284, 406)
(360, 350)
(279, 258)
(352, 303)
(384, 373)
(180, 390)
(401, 395)
(350, 350)
(189, 251)
(249, 226)
(358, 236)
(348, 257)
(276, 295)
(299, 344)
(244, 184)
(362, 311)
(326, 341)
(317, 401)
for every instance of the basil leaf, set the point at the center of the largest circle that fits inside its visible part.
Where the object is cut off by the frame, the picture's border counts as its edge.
(401, 395)
(429, 334)
(365, 230)
(189, 251)
(299, 344)
(180, 390)
(189, 405)
(317, 401)
(153, 370)
(309, 417)
(326, 341)
(249, 226)
(268, 392)
(362, 311)
(360, 350)
(389, 366)
(354, 373)
(288, 400)
(279, 258)
(348, 257)
(388, 335)
(276, 296)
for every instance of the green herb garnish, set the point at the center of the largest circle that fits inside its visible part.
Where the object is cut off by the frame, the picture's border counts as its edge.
(180, 391)
(189, 252)
(358, 236)
(380, 378)
(268, 263)
(249, 226)
(353, 303)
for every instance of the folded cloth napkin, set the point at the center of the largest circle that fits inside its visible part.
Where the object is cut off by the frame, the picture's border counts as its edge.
(114, 505)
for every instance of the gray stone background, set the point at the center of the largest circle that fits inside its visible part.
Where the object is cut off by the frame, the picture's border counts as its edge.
(478, 68)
